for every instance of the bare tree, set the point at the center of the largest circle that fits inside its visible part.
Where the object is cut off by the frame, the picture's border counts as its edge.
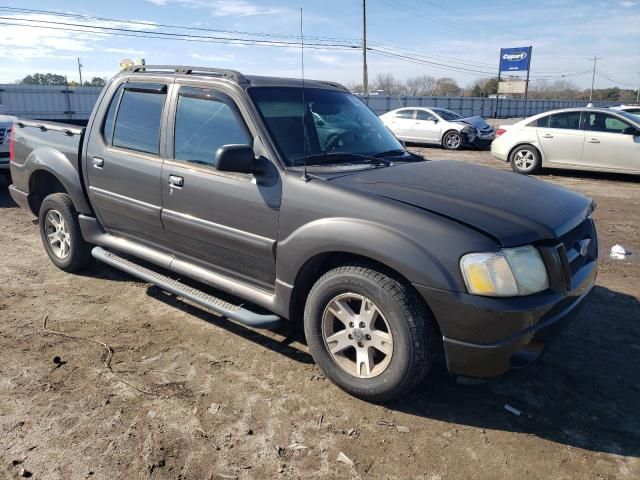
(421, 85)
(387, 83)
(446, 87)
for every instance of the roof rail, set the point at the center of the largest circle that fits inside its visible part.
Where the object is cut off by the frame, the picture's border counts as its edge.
(232, 75)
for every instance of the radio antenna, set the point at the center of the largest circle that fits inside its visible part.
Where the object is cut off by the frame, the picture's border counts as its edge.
(305, 177)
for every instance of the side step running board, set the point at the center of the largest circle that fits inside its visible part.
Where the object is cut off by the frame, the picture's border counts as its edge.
(229, 310)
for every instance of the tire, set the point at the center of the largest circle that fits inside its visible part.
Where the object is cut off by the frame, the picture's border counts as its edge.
(58, 219)
(452, 140)
(525, 159)
(402, 326)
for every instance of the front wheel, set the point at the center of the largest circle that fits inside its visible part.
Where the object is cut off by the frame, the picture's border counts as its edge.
(60, 233)
(370, 333)
(452, 140)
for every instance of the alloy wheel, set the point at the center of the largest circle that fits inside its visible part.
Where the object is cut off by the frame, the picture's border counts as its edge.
(524, 159)
(452, 141)
(57, 234)
(357, 335)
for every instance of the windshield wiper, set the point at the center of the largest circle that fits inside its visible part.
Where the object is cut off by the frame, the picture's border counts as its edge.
(396, 152)
(336, 158)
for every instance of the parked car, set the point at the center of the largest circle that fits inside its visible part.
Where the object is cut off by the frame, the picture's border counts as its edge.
(599, 139)
(438, 126)
(633, 109)
(228, 181)
(6, 121)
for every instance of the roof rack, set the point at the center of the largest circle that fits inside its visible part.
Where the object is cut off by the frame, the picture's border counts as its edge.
(232, 75)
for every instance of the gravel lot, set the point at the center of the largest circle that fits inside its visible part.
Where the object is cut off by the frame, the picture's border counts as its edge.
(187, 395)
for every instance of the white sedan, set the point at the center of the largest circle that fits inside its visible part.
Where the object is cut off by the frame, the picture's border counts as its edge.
(438, 126)
(598, 139)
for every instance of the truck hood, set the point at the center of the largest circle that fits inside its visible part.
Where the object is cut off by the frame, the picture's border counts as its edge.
(511, 208)
(477, 121)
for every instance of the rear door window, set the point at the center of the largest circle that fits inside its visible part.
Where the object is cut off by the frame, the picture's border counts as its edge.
(405, 114)
(137, 125)
(566, 120)
(542, 122)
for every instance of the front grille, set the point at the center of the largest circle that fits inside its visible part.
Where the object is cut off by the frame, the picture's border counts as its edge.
(3, 134)
(581, 245)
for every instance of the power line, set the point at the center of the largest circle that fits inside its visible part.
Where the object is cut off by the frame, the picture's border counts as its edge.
(165, 25)
(101, 30)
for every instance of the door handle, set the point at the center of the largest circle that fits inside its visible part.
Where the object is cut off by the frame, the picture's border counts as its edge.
(593, 140)
(176, 181)
(547, 135)
(98, 162)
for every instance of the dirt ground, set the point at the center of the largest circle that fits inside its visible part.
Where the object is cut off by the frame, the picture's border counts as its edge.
(192, 396)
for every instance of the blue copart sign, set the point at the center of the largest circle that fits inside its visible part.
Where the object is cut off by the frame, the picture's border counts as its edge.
(515, 59)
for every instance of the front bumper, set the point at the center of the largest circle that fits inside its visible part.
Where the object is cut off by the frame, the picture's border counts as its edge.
(488, 336)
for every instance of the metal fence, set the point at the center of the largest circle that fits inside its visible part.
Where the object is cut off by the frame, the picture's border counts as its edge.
(45, 102)
(472, 106)
(75, 103)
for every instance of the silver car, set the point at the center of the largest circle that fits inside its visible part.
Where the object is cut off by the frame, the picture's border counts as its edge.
(438, 126)
(599, 139)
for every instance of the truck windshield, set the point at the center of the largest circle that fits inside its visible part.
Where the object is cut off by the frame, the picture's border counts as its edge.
(329, 123)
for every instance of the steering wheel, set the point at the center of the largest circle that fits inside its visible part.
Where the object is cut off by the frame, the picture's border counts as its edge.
(335, 140)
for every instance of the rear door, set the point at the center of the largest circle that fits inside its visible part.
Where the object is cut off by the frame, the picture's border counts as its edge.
(401, 123)
(561, 138)
(222, 221)
(123, 160)
(610, 143)
(426, 127)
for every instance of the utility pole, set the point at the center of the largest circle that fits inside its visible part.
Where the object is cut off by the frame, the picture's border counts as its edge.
(365, 78)
(593, 77)
(80, 70)
(638, 93)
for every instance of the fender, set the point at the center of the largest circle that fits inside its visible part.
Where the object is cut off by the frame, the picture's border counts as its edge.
(56, 163)
(362, 237)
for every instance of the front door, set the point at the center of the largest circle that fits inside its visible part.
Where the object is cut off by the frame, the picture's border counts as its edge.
(122, 164)
(610, 143)
(425, 127)
(561, 138)
(221, 221)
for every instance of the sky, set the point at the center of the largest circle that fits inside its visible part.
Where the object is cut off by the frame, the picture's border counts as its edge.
(459, 36)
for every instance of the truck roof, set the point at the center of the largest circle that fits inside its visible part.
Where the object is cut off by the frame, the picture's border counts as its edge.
(232, 75)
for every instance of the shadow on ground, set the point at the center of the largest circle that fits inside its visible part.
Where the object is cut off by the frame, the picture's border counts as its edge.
(583, 392)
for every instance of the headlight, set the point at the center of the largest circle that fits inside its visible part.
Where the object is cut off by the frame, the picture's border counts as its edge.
(468, 129)
(507, 273)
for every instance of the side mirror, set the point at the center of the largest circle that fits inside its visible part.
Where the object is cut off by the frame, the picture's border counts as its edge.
(631, 131)
(435, 120)
(234, 158)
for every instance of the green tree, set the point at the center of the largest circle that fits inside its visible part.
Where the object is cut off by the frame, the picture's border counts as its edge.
(44, 79)
(95, 82)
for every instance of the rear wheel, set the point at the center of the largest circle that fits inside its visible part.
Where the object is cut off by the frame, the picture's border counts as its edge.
(60, 233)
(452, 140)
(370, 333)
(525, 159)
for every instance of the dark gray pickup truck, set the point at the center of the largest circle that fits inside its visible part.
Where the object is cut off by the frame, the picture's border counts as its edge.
(272, 198)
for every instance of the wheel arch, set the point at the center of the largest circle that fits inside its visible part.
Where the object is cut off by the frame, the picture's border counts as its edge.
(321, 263)
(52, 172)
